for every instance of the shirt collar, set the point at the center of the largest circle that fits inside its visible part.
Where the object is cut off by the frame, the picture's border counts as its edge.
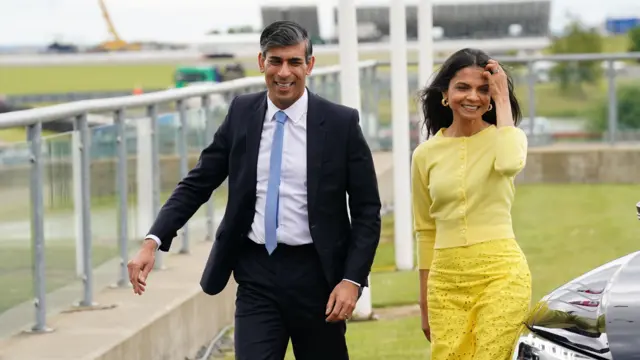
(295, 112)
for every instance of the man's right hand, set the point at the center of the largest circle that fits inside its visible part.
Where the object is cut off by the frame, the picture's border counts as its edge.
(141, 264)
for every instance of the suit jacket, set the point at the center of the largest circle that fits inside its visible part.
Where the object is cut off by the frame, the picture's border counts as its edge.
(339, 162)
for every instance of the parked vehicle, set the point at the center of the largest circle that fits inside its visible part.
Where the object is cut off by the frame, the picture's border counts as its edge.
(185, 75)
(595, 316)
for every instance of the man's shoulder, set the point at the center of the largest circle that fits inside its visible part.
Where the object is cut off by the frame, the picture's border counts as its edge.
(244, 100)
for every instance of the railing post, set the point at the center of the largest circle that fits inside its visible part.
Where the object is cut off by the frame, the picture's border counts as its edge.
(209, 133)
(184, 163)
(311, 83)
(375, 119)
(401, 144)
(365, 113)
(144, 177)
(77, 199)
(85, 162)
(152, 114)
(34, 136)
(323, 85)
(613, 102)
(338, 89)
(425, 65)
(123, 190)
(531, 87)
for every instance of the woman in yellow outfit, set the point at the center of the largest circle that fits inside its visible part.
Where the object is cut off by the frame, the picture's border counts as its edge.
(475, 283)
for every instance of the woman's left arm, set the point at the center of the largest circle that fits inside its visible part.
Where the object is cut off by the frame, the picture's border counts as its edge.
(511, 144)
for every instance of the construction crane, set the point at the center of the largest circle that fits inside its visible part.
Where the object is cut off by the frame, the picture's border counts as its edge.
(116, 43)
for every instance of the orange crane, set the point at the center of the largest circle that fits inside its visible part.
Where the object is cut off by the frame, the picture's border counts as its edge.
(116, 43)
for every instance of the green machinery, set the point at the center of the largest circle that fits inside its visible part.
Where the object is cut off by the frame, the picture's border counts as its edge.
(185, 75)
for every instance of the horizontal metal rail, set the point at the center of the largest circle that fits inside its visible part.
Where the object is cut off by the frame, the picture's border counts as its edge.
(64, 97)
(69, 110)
(551, 57)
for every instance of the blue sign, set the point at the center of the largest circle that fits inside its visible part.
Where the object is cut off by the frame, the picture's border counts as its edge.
(622, 26)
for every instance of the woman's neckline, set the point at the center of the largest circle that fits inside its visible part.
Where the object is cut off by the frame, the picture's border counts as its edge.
(441, 133)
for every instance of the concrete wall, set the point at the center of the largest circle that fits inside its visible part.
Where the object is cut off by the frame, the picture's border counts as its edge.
(173, 320)
(590, 164)
(181, 331)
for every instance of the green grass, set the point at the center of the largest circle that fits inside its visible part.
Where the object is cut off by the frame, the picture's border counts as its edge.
(567, 230)
(616, 44)
(16, 135)
(25, 80)
(58, 79)
(16, 270)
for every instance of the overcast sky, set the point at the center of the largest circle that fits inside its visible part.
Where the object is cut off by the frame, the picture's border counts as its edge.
(80, 21)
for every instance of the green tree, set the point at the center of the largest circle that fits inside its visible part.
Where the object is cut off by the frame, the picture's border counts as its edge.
(571, 75)
(628, 110)
(634, 39)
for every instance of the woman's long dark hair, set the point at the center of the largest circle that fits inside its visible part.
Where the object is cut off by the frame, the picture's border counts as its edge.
(437, 116)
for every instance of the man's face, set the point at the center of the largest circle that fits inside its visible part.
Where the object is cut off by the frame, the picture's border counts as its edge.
(285, 70)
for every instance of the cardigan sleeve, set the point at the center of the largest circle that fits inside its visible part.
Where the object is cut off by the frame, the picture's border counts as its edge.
(511, 150)
(424, 225)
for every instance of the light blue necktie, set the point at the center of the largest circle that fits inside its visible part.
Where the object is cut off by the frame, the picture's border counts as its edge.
(275, 165)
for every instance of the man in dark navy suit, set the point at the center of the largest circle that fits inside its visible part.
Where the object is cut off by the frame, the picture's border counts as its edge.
(299, 250)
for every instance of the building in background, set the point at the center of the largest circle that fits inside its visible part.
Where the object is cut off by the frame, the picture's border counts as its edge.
(464, 19)
(452, 19)
(497, 26)
(305, 15)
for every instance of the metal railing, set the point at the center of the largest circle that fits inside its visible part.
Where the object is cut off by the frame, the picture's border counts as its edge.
(207, 102)
(55, 98)
(528, 76)
(162, 124)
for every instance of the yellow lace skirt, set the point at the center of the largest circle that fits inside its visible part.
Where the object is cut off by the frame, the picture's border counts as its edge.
(478, 297)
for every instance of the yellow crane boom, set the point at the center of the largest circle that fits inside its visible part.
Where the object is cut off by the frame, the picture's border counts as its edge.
(116, 43)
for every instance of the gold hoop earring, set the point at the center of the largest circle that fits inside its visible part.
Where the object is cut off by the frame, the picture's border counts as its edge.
(490, 107)
(444, 102)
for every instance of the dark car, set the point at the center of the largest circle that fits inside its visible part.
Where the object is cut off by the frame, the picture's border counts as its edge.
(595, 316)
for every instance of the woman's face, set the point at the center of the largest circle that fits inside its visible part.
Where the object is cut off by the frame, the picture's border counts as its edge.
(468, 94)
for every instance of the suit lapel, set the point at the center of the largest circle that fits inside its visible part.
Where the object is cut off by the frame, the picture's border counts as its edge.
(315, 145)
(254, 134)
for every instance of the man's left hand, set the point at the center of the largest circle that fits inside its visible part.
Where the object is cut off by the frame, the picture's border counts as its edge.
(342, 301)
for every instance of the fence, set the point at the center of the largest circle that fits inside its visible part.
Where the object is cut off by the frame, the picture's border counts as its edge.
(72, 195)
(559, 114)
(53, 98)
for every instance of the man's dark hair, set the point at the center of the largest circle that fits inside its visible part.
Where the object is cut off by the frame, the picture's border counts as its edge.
(285, 33)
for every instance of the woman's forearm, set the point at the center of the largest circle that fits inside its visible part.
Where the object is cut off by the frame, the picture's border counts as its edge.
(504, 116)
(424, 277)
